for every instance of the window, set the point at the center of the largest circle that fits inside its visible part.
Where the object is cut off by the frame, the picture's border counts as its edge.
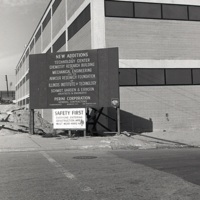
(23, 59)
(194, 13)
(178, 76)
(119, 9)
(46, 20)
(27, 100)
(148, 10)
(150, 76)
(196, 76)
(23, 80)
(38, 34)
(127, 77)
(31, 45)
(175, 12)
(79, 22)
(55, 5)
(27, 76)
(27, 53)
(59, 43)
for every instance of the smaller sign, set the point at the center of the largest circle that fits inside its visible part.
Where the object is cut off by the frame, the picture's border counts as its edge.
(115, 103)
(72, 118)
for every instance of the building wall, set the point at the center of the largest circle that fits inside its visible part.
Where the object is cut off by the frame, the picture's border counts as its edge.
(72, 7)
(160, 108)
(46, 36)
(143, 43)
(156, 43)
(153, 39)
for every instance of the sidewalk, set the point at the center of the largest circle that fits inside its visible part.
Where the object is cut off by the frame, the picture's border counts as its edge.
(26, 142)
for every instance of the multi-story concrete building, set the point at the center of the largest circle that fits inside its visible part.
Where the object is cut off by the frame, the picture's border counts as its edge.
(159, 59)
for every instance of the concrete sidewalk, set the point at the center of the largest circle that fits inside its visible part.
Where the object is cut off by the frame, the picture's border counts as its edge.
(26, 142)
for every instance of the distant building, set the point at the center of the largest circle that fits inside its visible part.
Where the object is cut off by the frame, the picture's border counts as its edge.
(7, 95)
(159, 59)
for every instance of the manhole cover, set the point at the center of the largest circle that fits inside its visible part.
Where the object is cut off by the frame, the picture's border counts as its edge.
(84, 157)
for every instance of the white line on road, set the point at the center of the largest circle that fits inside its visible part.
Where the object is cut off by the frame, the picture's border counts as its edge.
(65, 172)
(58, 166)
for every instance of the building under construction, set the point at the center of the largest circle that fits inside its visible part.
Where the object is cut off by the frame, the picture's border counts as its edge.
(159, 60)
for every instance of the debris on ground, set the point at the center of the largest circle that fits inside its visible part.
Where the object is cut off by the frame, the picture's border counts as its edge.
(126, 133)
(16, 119)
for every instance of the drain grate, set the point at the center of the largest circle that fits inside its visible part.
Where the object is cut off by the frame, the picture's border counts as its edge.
(84, 157)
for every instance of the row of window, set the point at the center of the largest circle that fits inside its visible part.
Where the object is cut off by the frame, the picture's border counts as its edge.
(148, 77)
(56, 46)
(39, 32)
(158, 77)
(152, 10)
(78, 23)
(24, 102)
(47, 19)
(26, 78)
(23, 60)
(152, 77)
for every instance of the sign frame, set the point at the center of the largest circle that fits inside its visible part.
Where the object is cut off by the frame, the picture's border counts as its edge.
(69, 118)
(101, 66)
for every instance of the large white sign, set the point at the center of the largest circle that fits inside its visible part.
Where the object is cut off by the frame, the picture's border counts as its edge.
(73, 118)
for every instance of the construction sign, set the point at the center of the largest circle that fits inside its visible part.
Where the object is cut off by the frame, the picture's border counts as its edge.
(76, 79)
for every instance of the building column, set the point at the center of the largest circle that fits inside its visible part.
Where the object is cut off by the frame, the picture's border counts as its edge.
(97, 24)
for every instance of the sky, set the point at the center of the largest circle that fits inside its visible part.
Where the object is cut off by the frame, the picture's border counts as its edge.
(18, 21)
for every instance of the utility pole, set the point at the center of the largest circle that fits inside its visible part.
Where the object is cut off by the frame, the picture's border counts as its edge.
(7, 85)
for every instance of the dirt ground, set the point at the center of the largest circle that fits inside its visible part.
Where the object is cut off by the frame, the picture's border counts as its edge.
(15, 119)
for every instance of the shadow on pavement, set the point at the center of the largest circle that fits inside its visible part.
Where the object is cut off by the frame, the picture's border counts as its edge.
(165, 140)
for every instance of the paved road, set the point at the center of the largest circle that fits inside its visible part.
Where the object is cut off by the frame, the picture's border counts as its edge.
(102, 175)
(184, 163)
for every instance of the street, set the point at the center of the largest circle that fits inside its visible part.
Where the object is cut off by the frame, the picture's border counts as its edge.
(99, 174)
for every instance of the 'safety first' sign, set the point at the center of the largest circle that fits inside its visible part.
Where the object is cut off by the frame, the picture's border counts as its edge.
(70, 119)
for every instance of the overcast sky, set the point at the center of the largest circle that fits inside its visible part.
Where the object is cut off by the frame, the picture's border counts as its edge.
(18, 20)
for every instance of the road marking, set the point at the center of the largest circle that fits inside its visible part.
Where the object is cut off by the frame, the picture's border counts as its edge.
(58, 166)
(65, 172)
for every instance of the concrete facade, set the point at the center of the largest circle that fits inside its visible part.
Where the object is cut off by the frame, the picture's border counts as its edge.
(143, 43)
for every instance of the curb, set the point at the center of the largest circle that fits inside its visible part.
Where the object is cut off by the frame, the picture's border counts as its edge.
(93, 147)
(102, 147)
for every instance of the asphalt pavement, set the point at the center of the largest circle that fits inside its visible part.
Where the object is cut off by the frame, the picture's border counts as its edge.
(100, 175)
(127, 167)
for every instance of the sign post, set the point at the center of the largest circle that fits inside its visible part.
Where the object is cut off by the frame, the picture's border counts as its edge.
(118, 121)
(31, 121)
(116, 104)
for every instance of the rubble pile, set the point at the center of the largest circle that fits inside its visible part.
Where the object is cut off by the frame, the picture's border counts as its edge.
(16, 119)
